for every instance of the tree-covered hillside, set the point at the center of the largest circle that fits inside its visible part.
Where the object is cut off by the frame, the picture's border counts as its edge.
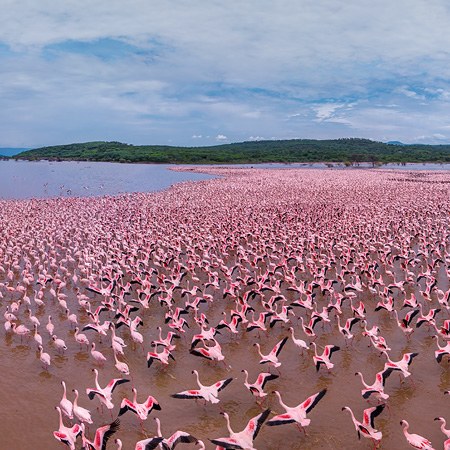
(295, 150)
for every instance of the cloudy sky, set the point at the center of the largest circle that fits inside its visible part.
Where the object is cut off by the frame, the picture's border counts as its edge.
(195, 72)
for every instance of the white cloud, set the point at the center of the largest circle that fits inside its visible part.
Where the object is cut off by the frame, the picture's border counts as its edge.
(326, 110)
(250, 68)
(255, 138)
(221, 137)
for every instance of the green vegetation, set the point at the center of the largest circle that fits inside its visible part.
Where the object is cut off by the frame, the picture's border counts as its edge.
(349, 151)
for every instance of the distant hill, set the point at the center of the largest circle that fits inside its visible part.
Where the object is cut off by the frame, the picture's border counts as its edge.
(11, 151)
(351, 150)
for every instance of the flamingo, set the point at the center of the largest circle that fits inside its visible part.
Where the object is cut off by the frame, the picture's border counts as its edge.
(81, 338)
(367, 427)
(50, 327)
(325, 357)
(162, 357)
(65, 434)
(402, 365)
(170, 443)
(257, 388)
(346, 329)
(272, 357)
(441, 351)
(65, 404)
(208, 393)
(212, 353)
(98, 356)
(37, 337)
(142, 410)
(44, 357)
(105, 394)
(82, 414)
(121, 366)
(443, 429)
(167, 341)
(296, 414)
(300, 343)
(415, 440)
(59, 343)
(101, 437)
(243, 439)
(377, 387)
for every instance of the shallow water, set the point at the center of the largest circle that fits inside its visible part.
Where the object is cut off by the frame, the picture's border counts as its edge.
(42, 179)
(46, 179)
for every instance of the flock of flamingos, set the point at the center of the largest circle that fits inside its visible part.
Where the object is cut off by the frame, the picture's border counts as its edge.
(261, 309)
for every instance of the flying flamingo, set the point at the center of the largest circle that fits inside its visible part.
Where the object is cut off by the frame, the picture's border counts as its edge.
(105, 394)
(272, 357)
(243, 439)
(297, 414)
(170, 443)
(101, 437)
(367, 427)
(142, 410)
(257, 388)
(208, 393)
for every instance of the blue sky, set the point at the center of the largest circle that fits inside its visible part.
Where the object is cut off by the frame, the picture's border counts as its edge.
(199, 73)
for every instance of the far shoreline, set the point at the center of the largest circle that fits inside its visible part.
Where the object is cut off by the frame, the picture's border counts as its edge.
(300, 164)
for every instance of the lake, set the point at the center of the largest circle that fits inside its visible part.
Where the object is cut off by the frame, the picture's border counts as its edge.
(41, 179)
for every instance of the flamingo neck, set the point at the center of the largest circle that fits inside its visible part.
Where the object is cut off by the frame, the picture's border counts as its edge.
(228, 424)
(281, 401)
(61, 425)
(158, 427)
(198, 379)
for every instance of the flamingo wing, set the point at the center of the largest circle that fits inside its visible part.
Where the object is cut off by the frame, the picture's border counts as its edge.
(264, 377)
(352, 322)
(115, 382)
(277, 349)
(330, 349)
(228, 443)
(104, 433)
(179, 437)
(254, 424)
(200, 352)
(222, 384)
(410, 316)
(312, 401)
(281, 419)
(408, 357)
(151, 403)
(91, 393)
(193, 393)
(125, 406)
(385, 373)
(149, 444)
(369, 414)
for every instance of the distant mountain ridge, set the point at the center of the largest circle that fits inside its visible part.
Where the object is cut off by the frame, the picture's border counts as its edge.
(347, 150)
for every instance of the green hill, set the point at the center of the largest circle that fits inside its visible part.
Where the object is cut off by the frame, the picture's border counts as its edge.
(295, 150)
